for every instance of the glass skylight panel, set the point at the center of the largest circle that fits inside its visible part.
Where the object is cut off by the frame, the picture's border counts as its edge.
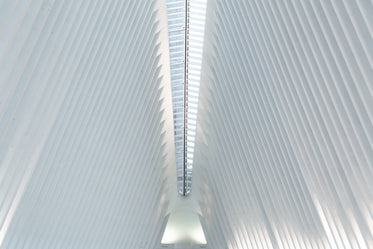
(186, 23)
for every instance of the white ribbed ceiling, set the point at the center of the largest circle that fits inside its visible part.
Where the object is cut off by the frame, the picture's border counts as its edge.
(284, 143)
(86, 124)
(284, 150)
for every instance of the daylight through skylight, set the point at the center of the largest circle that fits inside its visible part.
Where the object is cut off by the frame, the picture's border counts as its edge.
(186, 23)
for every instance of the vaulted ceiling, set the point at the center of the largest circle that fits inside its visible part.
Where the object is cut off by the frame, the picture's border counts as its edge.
(283, 152)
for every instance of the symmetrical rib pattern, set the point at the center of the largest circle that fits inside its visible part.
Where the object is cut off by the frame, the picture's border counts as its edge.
(186, 22)
(284, 149)
(86, 128)
(284, 139)
(177, 18)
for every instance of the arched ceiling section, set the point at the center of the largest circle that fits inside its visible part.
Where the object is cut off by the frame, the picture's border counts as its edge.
(284, 148)
(283, 155)
(85, 124)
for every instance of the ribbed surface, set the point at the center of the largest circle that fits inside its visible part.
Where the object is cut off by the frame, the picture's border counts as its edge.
(85, 124)
(196, 25)
(284, 142)
(185, 66)
(176, 17)
(284, 155)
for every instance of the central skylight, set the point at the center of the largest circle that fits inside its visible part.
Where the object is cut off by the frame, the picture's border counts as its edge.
(186, 23)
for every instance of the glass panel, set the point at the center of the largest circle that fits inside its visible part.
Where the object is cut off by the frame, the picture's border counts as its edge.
(193, 13)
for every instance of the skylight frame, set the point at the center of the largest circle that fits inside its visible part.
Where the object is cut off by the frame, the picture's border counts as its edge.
(185, 17)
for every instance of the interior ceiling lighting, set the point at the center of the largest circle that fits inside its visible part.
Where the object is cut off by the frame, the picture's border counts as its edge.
(183, 229)
(186, 23)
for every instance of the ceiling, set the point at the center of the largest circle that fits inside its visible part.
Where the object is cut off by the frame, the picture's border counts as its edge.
(284, 143)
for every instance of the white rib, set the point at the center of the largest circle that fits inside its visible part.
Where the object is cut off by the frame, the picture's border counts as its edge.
(284, 148)
(283, 153)
(85, 124)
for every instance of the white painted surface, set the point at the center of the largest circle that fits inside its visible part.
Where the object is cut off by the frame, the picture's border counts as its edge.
(85, 124)
(284, 139)
(284, 151)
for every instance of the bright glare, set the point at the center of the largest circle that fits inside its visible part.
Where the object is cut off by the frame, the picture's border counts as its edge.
(184, 228)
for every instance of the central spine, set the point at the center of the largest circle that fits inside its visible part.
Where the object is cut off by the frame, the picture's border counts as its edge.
(185, 99)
